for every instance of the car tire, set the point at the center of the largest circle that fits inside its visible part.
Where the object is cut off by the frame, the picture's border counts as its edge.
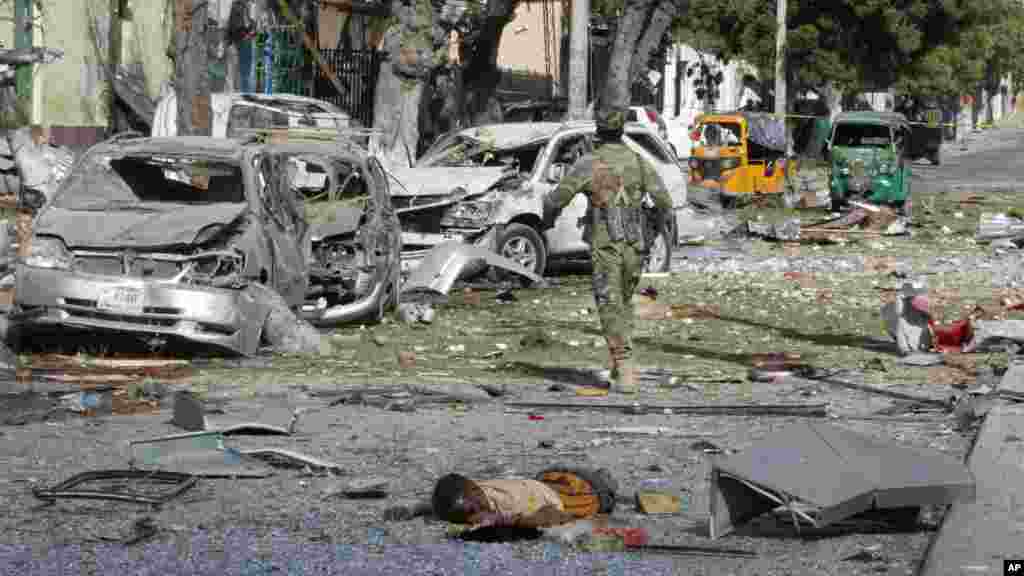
(660, 263)
(522, 243)
(935, 158)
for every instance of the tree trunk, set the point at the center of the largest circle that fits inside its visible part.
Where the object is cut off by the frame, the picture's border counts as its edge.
(657, 27)
(482, 69)
(617, 91)
(409, 61)
(191, 67)
(833, 99)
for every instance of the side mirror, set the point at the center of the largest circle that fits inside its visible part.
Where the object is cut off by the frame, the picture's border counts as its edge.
(555, 173)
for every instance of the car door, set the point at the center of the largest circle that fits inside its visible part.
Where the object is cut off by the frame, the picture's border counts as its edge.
(285, 227)
(566, 237)
(650, 148)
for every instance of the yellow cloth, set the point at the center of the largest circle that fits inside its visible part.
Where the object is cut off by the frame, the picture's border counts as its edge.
(518, 497)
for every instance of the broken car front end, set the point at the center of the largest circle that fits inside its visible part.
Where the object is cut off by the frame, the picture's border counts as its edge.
(154, 245)
(193, 295)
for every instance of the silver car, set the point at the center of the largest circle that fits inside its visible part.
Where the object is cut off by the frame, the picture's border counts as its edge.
(161, 238)
(485, 186)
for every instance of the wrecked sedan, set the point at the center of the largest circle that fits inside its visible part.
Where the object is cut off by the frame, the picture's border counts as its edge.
(165, 238)
(485, 186)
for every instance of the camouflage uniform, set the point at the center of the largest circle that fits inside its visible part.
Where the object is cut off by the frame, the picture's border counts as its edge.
(617, 182)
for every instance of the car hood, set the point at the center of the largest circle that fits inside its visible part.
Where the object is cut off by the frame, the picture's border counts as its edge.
(124, 229)
(443, 180)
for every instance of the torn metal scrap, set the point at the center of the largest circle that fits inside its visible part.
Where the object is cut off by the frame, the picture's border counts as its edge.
(180, 483)
(819, 410)
(287, 459)
(190, 415)
(196, 453)
(822, 474)
(998, 226)
(447, 262)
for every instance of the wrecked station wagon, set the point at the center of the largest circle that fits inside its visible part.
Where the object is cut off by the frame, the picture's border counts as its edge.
(486, 185)
(166, 238)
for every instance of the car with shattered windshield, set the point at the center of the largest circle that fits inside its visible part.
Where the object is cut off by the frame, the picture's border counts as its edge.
(486, 185)
(167, 239)
(868, 159)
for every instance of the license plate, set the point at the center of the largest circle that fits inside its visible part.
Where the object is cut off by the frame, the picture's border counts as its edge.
(123, 299)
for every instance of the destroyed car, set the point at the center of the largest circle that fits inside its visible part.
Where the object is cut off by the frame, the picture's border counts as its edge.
(485, 186)
(166, 239)
(868, 159)
(235, 113)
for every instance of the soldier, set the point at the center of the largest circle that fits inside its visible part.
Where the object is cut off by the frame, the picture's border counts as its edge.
(618, 183)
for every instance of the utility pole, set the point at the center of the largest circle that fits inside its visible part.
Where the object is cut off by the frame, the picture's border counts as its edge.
(780, 65)
(114, 61)
(579, 51)
(191, 67)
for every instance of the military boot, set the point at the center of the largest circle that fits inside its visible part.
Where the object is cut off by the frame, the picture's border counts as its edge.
(623, 378)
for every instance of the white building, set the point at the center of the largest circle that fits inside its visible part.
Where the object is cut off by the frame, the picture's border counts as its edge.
(681, 105)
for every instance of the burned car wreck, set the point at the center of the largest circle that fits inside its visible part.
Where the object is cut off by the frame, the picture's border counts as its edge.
(170, 238)
(485, 186)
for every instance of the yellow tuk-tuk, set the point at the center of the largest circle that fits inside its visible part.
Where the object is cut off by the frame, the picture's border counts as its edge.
(738, 153)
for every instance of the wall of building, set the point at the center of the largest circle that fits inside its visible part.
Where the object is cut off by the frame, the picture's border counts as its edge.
(522, 41)
(68, 95)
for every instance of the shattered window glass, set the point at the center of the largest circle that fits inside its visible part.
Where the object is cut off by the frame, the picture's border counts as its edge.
(145, 182)
(460, 150)
(862, 135)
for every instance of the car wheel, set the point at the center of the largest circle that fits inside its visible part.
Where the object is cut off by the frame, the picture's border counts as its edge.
(524, 245)
(935, 157)
(659, 259)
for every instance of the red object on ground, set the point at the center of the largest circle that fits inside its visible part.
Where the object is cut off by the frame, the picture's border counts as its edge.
(536, 417)
(631, 537)
(952, 337)
(920, 303)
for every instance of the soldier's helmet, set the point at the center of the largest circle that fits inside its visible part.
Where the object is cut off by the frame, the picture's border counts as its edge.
(610, 119)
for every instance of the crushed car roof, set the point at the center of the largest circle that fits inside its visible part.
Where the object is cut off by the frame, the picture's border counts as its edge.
(515, 134)
(174, 145)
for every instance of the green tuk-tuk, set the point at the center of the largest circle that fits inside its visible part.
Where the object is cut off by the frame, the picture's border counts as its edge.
(868, 159)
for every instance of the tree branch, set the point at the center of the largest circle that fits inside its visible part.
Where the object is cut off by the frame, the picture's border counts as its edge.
(661, 19)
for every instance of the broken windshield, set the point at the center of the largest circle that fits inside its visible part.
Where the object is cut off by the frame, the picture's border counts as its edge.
(115, 183)
(720, 134)
(459, 150)
(862, 136)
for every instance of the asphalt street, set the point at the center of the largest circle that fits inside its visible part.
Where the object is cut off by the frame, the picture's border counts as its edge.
(992, 162)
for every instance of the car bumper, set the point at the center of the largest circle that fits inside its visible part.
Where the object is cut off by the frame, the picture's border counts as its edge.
(364, 307)
(227, 319)
(415, 246)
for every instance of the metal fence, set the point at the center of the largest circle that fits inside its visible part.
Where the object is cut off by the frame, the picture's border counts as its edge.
(357, 72)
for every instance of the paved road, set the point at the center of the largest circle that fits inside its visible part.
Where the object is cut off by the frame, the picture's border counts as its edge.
(992, 162)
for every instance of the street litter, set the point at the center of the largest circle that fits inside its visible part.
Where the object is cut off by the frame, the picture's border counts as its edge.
(907, 319)
(117, 481)
(195, 453)
(189, 414)
(999, 226)
(807, 410)
(658, 502)
(280, 458)
(921, 359)
(821, 474)
(995, 335)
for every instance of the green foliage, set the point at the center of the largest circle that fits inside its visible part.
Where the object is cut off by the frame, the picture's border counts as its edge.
(919, 46)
